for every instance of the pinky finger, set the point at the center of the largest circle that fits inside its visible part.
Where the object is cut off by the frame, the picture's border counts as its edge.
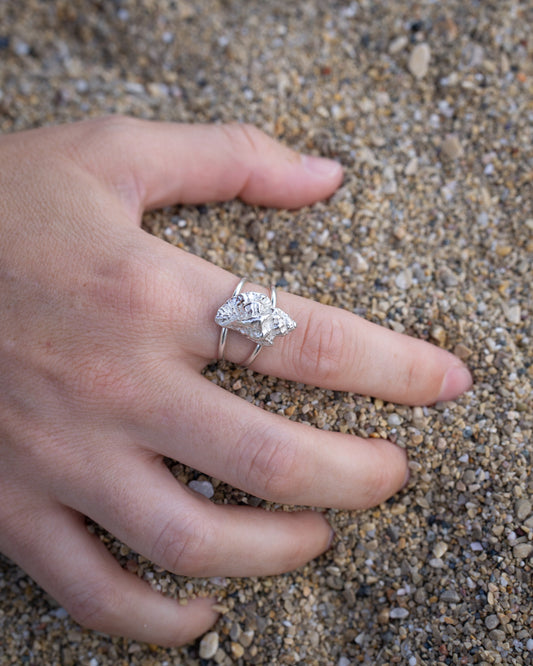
(78, 571)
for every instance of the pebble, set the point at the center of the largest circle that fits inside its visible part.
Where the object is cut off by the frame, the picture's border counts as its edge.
(394, 420)
(513, 314)
(491, 622)
(452, 148)
(462, 351)
(450, 597)
(246, 638)
(447, 278)
(418, 417)
(419, 60)
(383, 616)
(404, 279)
(398, 44)
(439, 335)
(398, 613)
(522, 550)
(523, 509)
(205, 488)
(209, 645)
(411, 167)
(439, 549)
(237, 650)
(358, 263)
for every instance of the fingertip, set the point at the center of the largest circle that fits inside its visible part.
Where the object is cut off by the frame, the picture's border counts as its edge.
(322, 167)
(456, 380)
(184, 621)
(389, 473)
(331, 537)
(327, 533)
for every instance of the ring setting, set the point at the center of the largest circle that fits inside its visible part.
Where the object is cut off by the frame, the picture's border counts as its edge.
(255, 316)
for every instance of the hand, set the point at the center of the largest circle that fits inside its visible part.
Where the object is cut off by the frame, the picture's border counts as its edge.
(103, 333)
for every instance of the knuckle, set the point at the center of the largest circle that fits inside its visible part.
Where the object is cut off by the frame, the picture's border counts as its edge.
(379, 486)
(112, 130)
(101, 147)
(185, 548)
(130, 298)
(323, 351)
(129, 286)
(95, 605)
(100, 136)
(269, 464)
(411, 377)
(244, 136)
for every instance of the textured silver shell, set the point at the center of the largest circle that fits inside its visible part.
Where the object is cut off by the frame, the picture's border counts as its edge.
(252, 315)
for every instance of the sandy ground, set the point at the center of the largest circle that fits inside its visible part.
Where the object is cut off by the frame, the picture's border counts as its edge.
(429, 108)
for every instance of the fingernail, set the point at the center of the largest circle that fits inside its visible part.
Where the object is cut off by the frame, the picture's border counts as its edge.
(321, 166)
(407, 477)
(456, 381)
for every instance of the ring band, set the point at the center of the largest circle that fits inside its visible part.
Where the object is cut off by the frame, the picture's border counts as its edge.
(255, 316)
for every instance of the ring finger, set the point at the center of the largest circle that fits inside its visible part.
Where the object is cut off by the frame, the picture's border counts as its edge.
(330, 347)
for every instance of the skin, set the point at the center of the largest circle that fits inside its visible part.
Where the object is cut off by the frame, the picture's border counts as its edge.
(103, 334)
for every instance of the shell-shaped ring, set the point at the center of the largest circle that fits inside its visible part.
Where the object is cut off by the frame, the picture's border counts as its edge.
(255, 316)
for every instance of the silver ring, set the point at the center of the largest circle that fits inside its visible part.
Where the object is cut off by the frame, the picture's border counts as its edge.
(255, 316)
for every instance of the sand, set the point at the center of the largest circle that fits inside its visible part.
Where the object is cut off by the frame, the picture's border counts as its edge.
(429, 107)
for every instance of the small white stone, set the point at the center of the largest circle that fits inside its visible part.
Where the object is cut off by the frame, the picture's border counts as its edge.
(419, 60)
(513, 314)
(205, 488)
(209, 645)
(21, 48)
(398, 44)
(450, 597)
(398, 613)
(439, 549)
(491, 622)
(323, 238)
(394, 420)
(358, 263)
(411, 167)
(404, 279)
(418, 416)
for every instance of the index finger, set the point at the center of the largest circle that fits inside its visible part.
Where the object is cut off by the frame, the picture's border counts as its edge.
(153, 164)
